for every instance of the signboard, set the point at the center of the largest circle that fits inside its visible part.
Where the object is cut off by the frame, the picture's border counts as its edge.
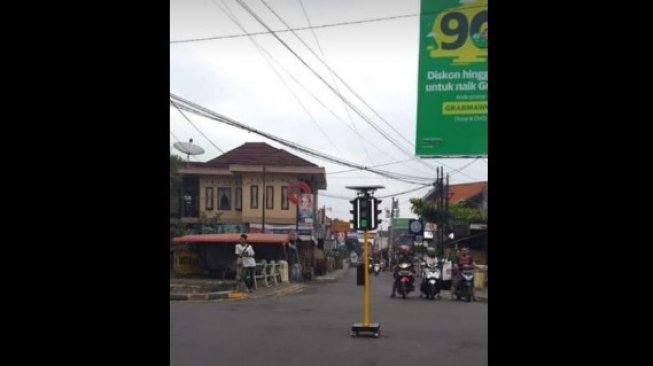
(340, 226)
(306, 209)
(341, 237)
(416, 227)
(399, 223)
(452, 104)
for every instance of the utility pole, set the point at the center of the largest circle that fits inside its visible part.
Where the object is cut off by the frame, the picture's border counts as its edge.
(394, 213)
(440, 205)
(263, 203)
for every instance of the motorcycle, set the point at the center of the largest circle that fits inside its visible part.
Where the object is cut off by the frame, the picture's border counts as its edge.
(406, 279)
(377, 269)
(432, 283)
(465, 287)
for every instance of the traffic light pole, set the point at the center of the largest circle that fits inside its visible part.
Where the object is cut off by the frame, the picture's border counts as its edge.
(366, 292)
(365, 211)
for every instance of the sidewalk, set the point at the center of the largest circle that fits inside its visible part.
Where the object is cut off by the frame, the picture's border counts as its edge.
(481, 295)
(208, 289)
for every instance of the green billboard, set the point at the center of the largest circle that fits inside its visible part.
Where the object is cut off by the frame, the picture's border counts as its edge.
(452, 104)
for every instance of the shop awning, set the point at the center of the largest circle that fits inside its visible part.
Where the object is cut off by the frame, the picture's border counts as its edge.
(233, 238)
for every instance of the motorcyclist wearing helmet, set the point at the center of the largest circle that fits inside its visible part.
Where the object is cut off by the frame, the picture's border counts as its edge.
(431, 260)
(463, 260)
(402, 257)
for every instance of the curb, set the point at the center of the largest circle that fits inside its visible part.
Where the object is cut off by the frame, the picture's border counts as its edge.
(288, 290)
(481, 299)
(477, 297)
(201, 297)
(237, 295)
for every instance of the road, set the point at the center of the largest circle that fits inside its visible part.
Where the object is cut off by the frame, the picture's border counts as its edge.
(313, 328)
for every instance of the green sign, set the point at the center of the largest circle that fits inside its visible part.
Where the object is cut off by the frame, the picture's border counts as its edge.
(452, 105)
(399, 223)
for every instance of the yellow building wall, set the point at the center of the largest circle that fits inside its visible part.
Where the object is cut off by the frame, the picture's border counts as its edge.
(277, 181)
(228, 216)
(276, 215)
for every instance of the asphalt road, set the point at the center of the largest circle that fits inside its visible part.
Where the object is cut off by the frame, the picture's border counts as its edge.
(313, 328)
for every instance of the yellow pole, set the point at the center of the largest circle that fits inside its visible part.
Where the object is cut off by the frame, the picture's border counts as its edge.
(366, 292)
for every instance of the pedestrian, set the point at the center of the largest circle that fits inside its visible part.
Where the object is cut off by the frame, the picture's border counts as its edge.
(246, 262)
(453, 257)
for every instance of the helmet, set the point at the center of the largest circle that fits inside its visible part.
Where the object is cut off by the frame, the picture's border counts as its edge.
(430, 252)
(405, 249)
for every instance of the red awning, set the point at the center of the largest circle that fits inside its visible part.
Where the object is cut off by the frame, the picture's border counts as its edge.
(233, 238)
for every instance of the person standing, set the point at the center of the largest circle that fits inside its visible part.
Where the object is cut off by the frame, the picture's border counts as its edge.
(245, 254)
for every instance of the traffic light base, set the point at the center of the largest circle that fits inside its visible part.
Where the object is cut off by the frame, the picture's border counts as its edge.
(373, 328)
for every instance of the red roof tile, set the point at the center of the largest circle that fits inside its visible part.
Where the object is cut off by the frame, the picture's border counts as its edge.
(465, 191)
(259, 153)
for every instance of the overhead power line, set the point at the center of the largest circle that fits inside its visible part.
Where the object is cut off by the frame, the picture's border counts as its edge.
(227, 11)
(202, 111)
(381, 19)
(379, 197)
(262, 49)
(197, 128)
(335, 84)
(337, 92)
(350, 104)
(293, 29)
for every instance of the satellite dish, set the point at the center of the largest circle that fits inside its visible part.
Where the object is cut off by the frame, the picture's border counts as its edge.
(188, 148)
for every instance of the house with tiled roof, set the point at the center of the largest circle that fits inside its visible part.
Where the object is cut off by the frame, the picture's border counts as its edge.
(249, 186)
(253, 188)
(473, 236)
(472, 194)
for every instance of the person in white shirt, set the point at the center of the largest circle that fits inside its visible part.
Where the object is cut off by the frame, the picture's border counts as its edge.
(245, 254)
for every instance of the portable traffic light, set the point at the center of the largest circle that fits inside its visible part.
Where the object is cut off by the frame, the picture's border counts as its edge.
(354, 213)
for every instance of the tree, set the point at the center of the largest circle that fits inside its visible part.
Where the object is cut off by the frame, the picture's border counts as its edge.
(457, 215)
(460, 215)
(425, 210)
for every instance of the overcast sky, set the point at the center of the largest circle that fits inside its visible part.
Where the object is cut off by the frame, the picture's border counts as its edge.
(378, 60)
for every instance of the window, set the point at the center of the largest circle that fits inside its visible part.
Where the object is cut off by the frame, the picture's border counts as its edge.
(224, 199)
(269, 197)
(253, 198)
(239, 199)
(208, 198)
(284, 198)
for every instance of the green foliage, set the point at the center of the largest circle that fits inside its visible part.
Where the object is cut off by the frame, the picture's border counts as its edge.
(457, 215)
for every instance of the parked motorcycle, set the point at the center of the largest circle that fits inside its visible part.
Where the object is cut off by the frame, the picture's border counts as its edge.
(465, 287)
